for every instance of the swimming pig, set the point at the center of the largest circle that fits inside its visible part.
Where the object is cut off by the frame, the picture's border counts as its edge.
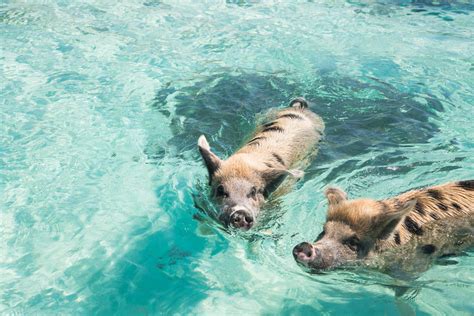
(393, 234)
(241, 183)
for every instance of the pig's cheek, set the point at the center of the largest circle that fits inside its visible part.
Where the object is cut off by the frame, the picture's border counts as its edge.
(344, 257)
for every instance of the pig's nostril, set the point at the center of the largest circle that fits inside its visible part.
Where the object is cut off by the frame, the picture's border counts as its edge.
(303, 250)
(241, 219)
(249, 219)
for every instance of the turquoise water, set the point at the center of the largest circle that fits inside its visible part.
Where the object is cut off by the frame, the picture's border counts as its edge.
(102, 103)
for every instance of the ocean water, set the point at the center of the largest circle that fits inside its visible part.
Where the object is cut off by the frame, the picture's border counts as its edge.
(101, 106)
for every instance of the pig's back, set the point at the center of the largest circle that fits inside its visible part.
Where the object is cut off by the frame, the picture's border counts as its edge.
(289, 136)
(434, 204)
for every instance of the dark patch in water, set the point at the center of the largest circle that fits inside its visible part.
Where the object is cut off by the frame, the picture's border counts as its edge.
(220, 103)
(447, 259)
(172, 257)
(225, 106)
(241, 3)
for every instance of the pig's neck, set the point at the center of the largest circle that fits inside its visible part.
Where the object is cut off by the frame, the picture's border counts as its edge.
(410, 225)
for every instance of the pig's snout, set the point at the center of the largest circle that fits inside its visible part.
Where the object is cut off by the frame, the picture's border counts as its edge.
(316, 257)
(305, 253)
(241, 219)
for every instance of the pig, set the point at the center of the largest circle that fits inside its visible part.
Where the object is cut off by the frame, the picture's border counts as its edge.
(394, 234)
(242, 183)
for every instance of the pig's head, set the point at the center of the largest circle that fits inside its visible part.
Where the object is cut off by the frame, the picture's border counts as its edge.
(240, 186)
(352, 230)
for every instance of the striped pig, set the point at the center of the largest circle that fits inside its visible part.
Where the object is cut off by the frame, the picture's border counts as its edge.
(241, 184)
(430, 223)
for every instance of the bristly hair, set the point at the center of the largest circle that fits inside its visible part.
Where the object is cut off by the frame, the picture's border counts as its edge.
(291, 116)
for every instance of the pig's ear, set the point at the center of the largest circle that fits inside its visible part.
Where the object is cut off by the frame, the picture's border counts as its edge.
(335, 195)
(274, 177)
(210, 159)
(389, 218)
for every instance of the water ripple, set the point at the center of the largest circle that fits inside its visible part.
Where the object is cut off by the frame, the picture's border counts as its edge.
(101, 107)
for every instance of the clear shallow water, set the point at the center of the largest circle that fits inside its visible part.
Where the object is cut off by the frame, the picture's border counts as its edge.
(101, 108)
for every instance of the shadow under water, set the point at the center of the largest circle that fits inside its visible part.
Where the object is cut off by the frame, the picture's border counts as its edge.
(359, 116)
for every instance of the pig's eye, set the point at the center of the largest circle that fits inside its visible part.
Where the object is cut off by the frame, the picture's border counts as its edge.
(353, 243)
(220, 192)
(253, 193)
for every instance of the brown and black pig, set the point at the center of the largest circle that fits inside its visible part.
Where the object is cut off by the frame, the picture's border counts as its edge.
(241, 183)
(393, 234)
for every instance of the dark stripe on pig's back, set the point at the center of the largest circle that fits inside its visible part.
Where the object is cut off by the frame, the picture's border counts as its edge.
(288, 142)
(292, 134)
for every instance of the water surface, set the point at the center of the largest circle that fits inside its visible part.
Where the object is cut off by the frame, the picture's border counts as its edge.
(101, 108)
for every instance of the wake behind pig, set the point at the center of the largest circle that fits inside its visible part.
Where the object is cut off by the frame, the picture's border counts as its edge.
(242, 183)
